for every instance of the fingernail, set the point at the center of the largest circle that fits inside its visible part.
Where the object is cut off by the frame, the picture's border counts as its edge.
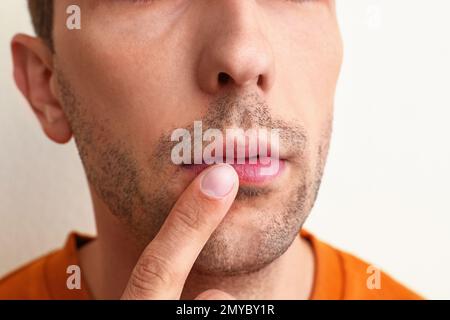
(219, 181)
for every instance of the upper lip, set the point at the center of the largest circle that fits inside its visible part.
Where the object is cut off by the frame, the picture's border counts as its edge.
(244, 148)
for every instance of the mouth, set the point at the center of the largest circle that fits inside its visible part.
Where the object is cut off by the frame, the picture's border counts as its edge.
(257, 159)
(252, 171)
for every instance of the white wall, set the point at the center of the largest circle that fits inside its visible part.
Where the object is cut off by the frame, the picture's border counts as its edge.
(385, 192)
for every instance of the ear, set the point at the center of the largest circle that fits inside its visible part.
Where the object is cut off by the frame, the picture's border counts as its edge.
(35, 78)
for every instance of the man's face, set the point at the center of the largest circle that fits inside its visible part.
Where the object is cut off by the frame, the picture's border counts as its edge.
(137, 70)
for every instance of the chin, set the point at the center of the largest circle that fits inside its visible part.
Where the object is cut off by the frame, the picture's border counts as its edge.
(247, 240)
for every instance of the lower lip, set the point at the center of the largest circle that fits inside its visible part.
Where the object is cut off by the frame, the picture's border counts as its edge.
(249, 173)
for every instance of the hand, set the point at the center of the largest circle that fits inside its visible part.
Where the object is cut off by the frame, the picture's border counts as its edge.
(163, 267)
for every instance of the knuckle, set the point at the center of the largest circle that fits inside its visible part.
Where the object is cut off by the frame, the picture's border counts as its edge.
(188, 215)
(151, 274)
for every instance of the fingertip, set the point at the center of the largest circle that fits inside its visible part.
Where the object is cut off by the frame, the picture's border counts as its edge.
(219, 181)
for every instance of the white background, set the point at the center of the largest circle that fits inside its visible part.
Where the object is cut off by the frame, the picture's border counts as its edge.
(385, 194)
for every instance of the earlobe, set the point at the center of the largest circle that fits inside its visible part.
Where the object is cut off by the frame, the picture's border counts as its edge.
(33, 74)
(56, 126)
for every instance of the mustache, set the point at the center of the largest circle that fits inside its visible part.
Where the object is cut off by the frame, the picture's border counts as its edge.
(244, 112)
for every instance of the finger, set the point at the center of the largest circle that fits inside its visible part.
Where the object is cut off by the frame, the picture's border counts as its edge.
(165, 264)
(214, 294)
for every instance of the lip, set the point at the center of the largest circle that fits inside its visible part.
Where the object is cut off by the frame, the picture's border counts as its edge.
(250, 173)
(254, 155)
(240, 145)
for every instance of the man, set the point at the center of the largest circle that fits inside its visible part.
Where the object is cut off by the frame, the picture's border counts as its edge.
(136, 72)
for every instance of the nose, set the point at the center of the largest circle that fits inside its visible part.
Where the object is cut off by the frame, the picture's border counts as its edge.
(235, 52)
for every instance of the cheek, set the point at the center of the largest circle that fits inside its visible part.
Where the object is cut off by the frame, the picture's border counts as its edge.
(308, 71)
(125, 86)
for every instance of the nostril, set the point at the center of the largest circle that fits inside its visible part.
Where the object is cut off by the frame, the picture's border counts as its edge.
(260, 81)
(223, 78)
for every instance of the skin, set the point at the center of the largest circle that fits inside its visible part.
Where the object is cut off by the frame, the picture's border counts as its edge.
(138, 70)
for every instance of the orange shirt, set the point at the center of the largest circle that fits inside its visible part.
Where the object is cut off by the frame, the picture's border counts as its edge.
(338, 275)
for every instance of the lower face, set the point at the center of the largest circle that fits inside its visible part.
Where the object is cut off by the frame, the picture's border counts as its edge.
(128, 88)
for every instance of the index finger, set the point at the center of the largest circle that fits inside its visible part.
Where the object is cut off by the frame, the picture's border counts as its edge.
(166, 262)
